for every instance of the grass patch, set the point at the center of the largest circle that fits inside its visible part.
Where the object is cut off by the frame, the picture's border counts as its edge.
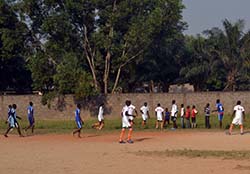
(239, 155)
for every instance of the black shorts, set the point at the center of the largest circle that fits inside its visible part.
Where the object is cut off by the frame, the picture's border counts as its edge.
(173, 119)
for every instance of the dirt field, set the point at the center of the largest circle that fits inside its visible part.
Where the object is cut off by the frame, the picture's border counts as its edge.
(98, 154)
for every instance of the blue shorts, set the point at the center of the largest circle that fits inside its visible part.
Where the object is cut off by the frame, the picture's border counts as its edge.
(220, 116)
(79, 124)
(31, 120)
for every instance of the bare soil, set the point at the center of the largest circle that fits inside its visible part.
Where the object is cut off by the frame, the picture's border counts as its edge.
(101, 153)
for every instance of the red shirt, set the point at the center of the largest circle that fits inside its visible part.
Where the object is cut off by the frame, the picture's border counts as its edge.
(194, 112)
(188, 113)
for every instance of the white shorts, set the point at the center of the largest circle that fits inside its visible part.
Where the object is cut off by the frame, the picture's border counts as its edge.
(100, 118)
(159, 118)
(237, 121)
(125, 122)
(131, 118)
(144, 117)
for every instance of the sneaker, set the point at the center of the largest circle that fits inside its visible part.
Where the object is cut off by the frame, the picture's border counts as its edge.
(6, 135)
(242, 133)
(130, 141)
(122, 142)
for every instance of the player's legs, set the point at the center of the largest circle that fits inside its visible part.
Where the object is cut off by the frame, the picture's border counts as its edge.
(156, 124)
(161, 123)
(7, 131)
(231, 128)
(241, 129)
(101, 125)
(130, 135)
(18, 129)
(78, 130)
(220, 117)
(122, 135)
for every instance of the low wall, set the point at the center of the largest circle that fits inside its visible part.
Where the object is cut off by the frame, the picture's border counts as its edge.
(114, 103)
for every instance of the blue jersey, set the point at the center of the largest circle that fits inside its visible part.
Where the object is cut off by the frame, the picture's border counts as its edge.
(30, 111)
(77, 115)
(9, 112)
(219, 107)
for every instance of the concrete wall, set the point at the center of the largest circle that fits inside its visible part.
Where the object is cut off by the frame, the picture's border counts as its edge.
(114, 103)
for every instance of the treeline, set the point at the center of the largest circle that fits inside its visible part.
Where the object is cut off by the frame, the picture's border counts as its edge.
(88, 47)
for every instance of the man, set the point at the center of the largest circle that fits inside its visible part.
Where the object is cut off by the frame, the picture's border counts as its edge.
(159, 112)
(78, 120)
(31, 119)
(145, 114)
(126, 124)
(131, 110)
(220, 110)
(239, 113)
(174, 111)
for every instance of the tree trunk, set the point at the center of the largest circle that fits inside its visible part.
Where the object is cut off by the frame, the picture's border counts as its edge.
(231, 81)
(106, 72)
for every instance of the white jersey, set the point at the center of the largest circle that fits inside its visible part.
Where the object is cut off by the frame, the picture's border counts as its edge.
(159, 113)
(174, 110)
(125, 122)
(182, 112)
(100, 113)
(131, 109)
(238, 119)
(144, 110)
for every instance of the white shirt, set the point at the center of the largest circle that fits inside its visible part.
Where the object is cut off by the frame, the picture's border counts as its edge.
(144, 110)
(182, 112)
(100, 114)
(239, 111)
(174, 110)
(159, 110)
(131, 109)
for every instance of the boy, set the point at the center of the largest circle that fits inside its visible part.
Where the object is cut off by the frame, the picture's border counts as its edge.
(31, 119)
(182, 116)
(207, 116)
(12, 120)
(126, 124)
(239, 113)
(100, 116)
(220, 110)
(187, 116)
(159, 116)
(131, 110)
(78, 120)
(167, 117)
(193, 117)
(145, 114)
(174, 111)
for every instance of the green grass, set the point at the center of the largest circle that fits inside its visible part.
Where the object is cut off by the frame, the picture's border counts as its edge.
(114, 124)
(239, 155)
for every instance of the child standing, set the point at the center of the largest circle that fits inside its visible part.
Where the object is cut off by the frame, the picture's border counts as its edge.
(207, 116)
(174, 111)
(144, 113)
(193, 117)
(182, 116)
(167, 117)
(187, 116)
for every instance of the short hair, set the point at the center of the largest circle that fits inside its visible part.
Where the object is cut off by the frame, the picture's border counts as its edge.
(127, 102)
(145, 104)
(218, 101)
(182, 105)
(78, 105)
(31, 104)
(173, 101)
(158, 104)
(193, 106)
(14, 106)
(238, 102)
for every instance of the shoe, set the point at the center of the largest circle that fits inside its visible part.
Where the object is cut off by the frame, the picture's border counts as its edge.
(6, 135)
(130, 141)
(122, 142)
(242, 133)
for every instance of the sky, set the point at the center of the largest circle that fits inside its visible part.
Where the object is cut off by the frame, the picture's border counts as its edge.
(206, 14)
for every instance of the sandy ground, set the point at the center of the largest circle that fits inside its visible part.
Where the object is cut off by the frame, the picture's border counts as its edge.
(100, 154)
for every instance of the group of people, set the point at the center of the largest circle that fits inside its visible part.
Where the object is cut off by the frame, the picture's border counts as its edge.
(13, 122)
(187, 117)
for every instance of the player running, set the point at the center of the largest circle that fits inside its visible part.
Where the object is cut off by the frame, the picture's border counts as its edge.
(78, 120)
(100, 116)
(239, 113)
(31, 119)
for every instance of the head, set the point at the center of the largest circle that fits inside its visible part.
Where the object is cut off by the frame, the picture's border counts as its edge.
(188, 107)
(166, 109)
(218, 101)
(182, 105)
(173, 101)
(14, 106)
(207, 105)
(127, 102)
(102, 104)
(158, 104)
(238, 102)
(145, 104)
(78, 106)
(10, 106)
(193, 107)
(31, 104)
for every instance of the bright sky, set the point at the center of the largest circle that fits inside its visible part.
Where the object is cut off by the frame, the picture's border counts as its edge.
(205, 14)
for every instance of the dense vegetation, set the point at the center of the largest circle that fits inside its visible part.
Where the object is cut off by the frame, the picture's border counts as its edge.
(88, 47)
